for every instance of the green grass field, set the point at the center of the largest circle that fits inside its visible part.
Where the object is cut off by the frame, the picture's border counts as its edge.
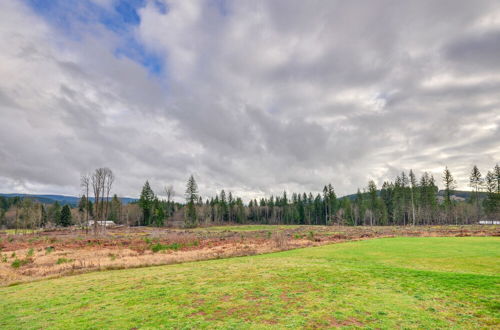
(381, 283)
(20, 231)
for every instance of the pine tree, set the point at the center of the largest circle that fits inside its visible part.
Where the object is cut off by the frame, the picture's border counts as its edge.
(55, 213)
(191, 199)
(65, 219)
(496, 175)
(82, 204)
(223, 210)
(359, 210)
(372, 201)
(43, 216)
(413, 185)
(492, 182)
(387, 195)
(449, 186)
(476, 181)
(146, 203)
(114, 214)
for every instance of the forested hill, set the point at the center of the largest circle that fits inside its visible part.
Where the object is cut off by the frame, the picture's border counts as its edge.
(63, 200)
(73, 201)
(458, 193)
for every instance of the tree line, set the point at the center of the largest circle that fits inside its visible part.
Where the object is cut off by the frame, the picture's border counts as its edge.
(407, 200)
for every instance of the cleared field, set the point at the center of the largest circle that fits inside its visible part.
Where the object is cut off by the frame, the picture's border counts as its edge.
(380, 283)
(54, 253)
(249, 228)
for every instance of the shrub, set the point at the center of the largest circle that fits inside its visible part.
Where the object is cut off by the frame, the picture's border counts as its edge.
(63, 261)
(20, 262)
(49, 249)
(160, 247)
(30, 252)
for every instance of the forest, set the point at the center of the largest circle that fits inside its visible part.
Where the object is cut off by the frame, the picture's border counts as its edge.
(407, 200)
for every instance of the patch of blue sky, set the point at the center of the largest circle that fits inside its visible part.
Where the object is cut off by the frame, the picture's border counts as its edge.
(221, 5)
(71, 16)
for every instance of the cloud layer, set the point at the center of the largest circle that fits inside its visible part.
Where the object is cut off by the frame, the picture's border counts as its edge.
(251, 96)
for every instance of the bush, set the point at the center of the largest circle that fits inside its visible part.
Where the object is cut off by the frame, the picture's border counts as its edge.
(30, 253)
(63, 261)
(160, 247)
(20, 262)
(49, 249)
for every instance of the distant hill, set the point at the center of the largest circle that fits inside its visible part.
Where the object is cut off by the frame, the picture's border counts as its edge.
(70, 200)
(458, 193)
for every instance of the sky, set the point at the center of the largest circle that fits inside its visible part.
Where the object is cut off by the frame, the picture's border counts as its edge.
(254, 97)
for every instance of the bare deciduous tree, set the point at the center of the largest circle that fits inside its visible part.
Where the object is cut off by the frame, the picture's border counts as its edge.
(108, 179)
(97, 180)
(169, 191)
(85, 184)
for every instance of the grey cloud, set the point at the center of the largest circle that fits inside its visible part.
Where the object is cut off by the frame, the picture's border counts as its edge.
(258, 98)
(479, 51)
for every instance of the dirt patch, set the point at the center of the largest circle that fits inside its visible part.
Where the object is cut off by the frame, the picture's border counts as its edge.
(351, 322)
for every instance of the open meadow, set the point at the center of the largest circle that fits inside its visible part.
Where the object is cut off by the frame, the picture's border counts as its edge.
(402, 282)
(45, 254)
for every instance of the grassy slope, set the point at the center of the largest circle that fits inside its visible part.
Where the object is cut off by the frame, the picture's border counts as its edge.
(398, 282)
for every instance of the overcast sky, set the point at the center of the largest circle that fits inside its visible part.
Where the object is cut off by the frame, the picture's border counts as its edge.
(255, 97)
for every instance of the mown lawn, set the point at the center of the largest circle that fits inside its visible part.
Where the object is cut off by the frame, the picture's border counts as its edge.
(381, 283)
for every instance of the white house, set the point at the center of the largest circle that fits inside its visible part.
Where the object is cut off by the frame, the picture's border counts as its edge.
(489, 222)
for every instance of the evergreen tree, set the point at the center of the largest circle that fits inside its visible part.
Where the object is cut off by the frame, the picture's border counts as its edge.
(372, 201)
(43, 216)
(82, 204)
(496, 177)
(359, 209)
(158, 213)
(90, 207)
(116, 204)
(492, 201)
(191, 198)
(476, 182)
(146, 203)
(413, 185)
(65, 219)
(54, 213)
(223, 209)
(387, 195)
(449, 186)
